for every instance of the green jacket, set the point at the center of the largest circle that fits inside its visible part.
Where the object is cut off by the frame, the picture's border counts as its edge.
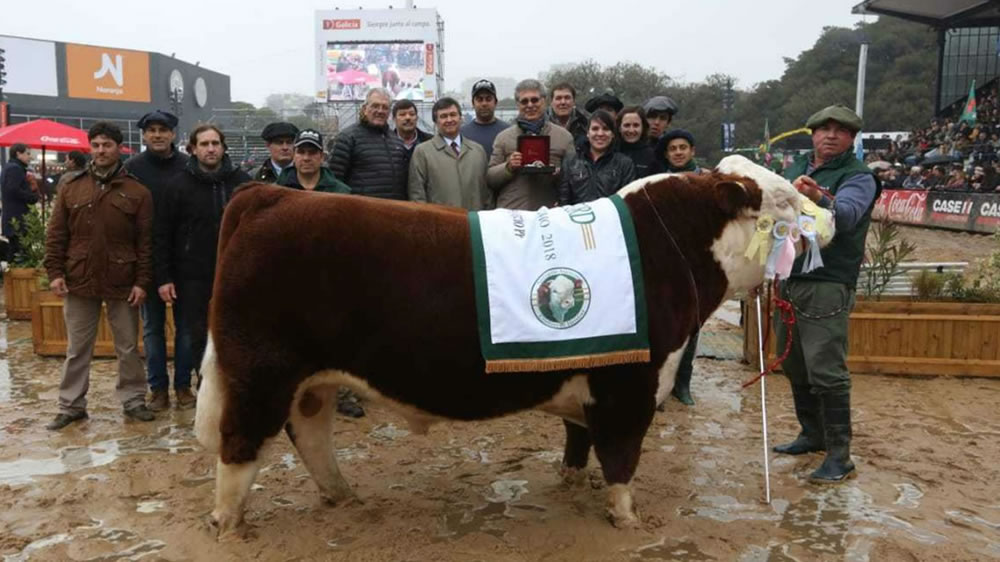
(328, 182)
(843, 256)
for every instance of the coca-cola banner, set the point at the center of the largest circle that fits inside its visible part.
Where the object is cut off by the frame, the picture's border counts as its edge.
(974, 212)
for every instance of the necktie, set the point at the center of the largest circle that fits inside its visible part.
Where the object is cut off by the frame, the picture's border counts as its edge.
(454, 146)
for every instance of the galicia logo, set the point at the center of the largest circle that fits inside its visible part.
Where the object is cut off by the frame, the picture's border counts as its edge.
(117, 70)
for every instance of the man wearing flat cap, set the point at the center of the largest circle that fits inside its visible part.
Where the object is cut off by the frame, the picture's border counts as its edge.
(280, 139)
(832, 177)
(674, 153)
(154, 168)
(660, 111)
(607, 101)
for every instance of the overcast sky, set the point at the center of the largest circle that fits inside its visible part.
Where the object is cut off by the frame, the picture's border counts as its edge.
(266, 46)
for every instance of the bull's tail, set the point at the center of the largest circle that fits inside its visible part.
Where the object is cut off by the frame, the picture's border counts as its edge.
(211, 399)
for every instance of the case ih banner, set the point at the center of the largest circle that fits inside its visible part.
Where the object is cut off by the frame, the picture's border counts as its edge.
(974, 212)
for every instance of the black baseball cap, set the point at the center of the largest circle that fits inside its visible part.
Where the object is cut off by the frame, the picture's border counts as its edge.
(484, 84)
(309, 136)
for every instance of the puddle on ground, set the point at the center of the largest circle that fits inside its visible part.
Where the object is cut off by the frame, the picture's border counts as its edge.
(825, 522)
(339, 542)
(171, 439)
(909, 495)
(501, 503)
(387, 432)
(28, 551)
(150, 506)
(680, 551)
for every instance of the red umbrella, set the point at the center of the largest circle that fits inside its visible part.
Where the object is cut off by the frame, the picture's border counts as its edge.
(47, 135)
(43, 133)
(354, 77)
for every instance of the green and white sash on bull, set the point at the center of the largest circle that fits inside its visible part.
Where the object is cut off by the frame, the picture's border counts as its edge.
(559, 288)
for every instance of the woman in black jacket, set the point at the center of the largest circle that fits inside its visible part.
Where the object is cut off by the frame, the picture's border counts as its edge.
(597, 169)
(633, 128)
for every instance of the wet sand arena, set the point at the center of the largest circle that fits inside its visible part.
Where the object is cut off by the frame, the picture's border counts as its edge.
(927, 452)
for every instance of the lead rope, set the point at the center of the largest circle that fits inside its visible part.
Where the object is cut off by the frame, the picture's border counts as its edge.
(764, 334)
(694, 286)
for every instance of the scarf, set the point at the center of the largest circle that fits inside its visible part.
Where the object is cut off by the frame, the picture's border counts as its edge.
(531, 127)
(691, 166)
(107, 175)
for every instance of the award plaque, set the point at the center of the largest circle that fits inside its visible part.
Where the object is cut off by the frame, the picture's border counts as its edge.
(534, 151)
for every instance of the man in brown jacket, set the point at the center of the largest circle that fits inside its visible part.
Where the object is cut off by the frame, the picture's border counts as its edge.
(514, 189)
(98, 249)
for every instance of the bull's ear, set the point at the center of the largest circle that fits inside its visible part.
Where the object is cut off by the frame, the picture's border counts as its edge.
(731, 196)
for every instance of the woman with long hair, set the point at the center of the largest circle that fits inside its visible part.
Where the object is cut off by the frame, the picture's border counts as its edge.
(597, 169)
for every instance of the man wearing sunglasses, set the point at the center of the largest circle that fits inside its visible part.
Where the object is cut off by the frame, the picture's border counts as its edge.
(514, 189)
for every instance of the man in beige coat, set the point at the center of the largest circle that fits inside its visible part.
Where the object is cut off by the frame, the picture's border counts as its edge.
(449, 169)
(516, 190)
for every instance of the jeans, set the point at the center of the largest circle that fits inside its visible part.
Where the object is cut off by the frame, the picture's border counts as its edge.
(154, 318)
(191, 319)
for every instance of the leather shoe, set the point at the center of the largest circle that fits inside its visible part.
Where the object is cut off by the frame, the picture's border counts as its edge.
(140, 412)
(159, 401)
(185, 398)
(62, 420)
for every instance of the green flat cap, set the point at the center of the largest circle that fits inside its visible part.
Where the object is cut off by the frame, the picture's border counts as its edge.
(839, 113)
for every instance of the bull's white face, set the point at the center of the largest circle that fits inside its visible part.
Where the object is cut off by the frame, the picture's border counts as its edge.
(561, 297)
(781, 202)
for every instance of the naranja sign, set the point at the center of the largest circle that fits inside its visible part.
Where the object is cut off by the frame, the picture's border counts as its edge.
(107, 74)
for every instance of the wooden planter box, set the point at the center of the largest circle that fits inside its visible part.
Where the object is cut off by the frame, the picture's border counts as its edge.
(19, 283)
(48, 329)
(900, 336)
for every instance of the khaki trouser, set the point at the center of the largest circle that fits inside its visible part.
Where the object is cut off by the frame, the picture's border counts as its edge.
(82, 315)
(818, 356)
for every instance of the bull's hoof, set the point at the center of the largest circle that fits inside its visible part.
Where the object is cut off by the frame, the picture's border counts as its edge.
(572, 476)
(342, 499)
(621, 509)
(228, 527)
(629, 520)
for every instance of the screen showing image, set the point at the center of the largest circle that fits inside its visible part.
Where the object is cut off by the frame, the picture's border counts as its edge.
(354, 68)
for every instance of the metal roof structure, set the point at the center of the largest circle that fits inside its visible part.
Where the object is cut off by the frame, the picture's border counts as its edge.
(940, 14)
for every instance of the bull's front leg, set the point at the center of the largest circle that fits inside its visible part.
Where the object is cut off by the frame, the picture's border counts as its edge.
(576, 453)
(618, 419)
(232, 486)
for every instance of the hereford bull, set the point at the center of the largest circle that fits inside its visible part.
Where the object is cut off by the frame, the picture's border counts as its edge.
(318, 291)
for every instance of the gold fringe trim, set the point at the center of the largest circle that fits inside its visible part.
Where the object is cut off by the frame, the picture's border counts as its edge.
(566, 363)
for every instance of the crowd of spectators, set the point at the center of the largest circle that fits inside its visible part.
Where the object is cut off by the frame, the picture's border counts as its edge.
(949, 154)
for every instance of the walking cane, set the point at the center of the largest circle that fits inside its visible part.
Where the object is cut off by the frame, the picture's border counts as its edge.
(763, 399)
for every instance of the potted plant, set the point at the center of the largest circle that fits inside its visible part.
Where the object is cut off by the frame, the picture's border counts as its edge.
(25, 275)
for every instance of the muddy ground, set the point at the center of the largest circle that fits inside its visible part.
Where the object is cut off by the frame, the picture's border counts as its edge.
(927, 450)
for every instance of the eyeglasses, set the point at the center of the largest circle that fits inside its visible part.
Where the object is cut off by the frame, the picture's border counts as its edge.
(529, 101)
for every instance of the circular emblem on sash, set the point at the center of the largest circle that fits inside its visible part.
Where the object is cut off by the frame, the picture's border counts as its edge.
(560, 298)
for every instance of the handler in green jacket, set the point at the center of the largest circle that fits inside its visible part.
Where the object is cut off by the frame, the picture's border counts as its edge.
(307, 171)
(824, 297)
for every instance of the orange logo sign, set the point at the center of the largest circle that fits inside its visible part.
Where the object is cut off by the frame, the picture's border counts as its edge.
(107, 74)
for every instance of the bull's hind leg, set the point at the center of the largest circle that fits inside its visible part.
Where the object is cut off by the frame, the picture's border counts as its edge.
(618, 419)
(576, 454)
(309, 428)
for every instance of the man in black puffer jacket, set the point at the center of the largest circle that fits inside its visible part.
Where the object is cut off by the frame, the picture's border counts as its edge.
(185, 238)
(368, 156)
